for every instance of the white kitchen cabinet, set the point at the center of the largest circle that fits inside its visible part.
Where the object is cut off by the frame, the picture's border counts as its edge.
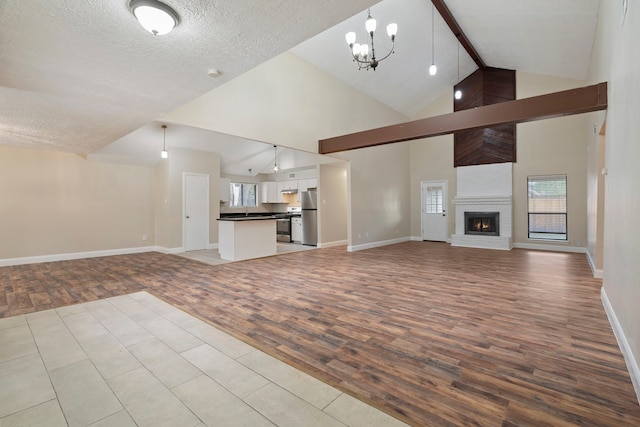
(296, 229)
(287, 185)
(306, 184)
(269, 192)
(225, 189)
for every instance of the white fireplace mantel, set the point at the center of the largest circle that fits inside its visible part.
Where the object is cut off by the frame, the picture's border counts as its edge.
(463, 201)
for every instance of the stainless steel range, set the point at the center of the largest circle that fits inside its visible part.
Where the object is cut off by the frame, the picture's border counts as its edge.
(283, 224)
(283, 229)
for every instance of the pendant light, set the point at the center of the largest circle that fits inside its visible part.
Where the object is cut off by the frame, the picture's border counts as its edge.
(275, 164)
(433, 69)
(154, 16)
(164, 153)
(458, 93)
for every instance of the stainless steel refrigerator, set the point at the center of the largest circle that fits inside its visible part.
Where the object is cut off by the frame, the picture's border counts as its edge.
(308, 200)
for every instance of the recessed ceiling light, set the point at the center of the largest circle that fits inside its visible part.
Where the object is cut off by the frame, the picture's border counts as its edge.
(154, 16)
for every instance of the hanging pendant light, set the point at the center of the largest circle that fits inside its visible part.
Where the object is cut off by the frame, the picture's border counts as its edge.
(458, 93)
(275, 164)
(432, 69)
(164, 153)
(154, 16)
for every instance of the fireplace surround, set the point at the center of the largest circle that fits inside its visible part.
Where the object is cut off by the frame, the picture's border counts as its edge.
(483, 190)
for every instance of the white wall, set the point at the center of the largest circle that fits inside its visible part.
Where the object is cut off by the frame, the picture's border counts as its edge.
(55, 203)
(616, 61)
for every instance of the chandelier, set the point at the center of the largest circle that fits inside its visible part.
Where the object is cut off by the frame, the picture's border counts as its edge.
(360, 52)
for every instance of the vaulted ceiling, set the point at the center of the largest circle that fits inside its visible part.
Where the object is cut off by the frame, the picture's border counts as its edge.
(78, 76)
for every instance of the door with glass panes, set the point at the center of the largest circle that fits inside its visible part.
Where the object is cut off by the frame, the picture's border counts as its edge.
(434, 212)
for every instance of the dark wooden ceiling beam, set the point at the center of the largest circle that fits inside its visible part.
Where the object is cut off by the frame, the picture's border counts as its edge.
(557, 104)
(457, 31)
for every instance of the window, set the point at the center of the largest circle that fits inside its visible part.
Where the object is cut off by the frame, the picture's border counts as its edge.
(433, 202)
(242, 194)
(547, 201)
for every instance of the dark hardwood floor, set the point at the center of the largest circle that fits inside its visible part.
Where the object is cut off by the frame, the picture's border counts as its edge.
(434, 335)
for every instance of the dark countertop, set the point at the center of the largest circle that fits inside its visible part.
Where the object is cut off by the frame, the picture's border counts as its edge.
(247, 218)
(257, 215)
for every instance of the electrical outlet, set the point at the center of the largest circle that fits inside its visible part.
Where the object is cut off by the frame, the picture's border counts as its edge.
(366, 234)
(359, 236)
(144, 237)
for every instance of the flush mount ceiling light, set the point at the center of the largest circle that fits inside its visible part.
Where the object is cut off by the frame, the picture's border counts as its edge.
(154, 16)
(164, 153)
(360, 52)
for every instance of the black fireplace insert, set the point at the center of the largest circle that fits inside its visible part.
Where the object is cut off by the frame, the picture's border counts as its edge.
(482, 223)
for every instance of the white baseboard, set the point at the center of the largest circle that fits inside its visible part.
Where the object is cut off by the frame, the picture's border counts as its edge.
(623, 343)
(364, 246)
(419, 239)
(212, 246)
(597, 272)
(164, 250)
(546, 247)
(75, 255)
(332, 244)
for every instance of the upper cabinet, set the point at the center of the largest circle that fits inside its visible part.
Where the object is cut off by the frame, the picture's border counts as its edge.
(269, 192)
(306, 184)
(290, 186)
(225, 189)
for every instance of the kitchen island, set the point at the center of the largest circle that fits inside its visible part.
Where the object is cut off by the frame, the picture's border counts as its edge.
(246, 237)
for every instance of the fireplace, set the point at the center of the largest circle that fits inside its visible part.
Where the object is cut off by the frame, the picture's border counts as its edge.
(482, 223)
(483, 204)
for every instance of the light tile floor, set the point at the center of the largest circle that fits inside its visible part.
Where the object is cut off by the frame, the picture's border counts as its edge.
(135, 360)
(212, 256)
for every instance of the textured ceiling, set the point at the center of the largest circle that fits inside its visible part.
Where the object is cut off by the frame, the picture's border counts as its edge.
(78, 75)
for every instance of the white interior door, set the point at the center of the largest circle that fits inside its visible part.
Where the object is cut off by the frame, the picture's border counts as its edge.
(434, 211)
(196, 211)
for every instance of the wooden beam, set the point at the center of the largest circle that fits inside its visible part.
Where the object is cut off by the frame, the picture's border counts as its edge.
(557, 104)
(457, 31)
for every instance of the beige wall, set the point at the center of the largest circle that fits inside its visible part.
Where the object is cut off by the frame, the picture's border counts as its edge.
(58, 203)
(595, 195)
(171, 204)
(432, 160)
(378, 189)
(332, 203)
(616, 61)
(285, 101)
(556, 146)
(550, 147)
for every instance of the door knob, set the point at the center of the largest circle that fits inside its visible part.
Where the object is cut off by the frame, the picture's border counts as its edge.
(187, 216)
